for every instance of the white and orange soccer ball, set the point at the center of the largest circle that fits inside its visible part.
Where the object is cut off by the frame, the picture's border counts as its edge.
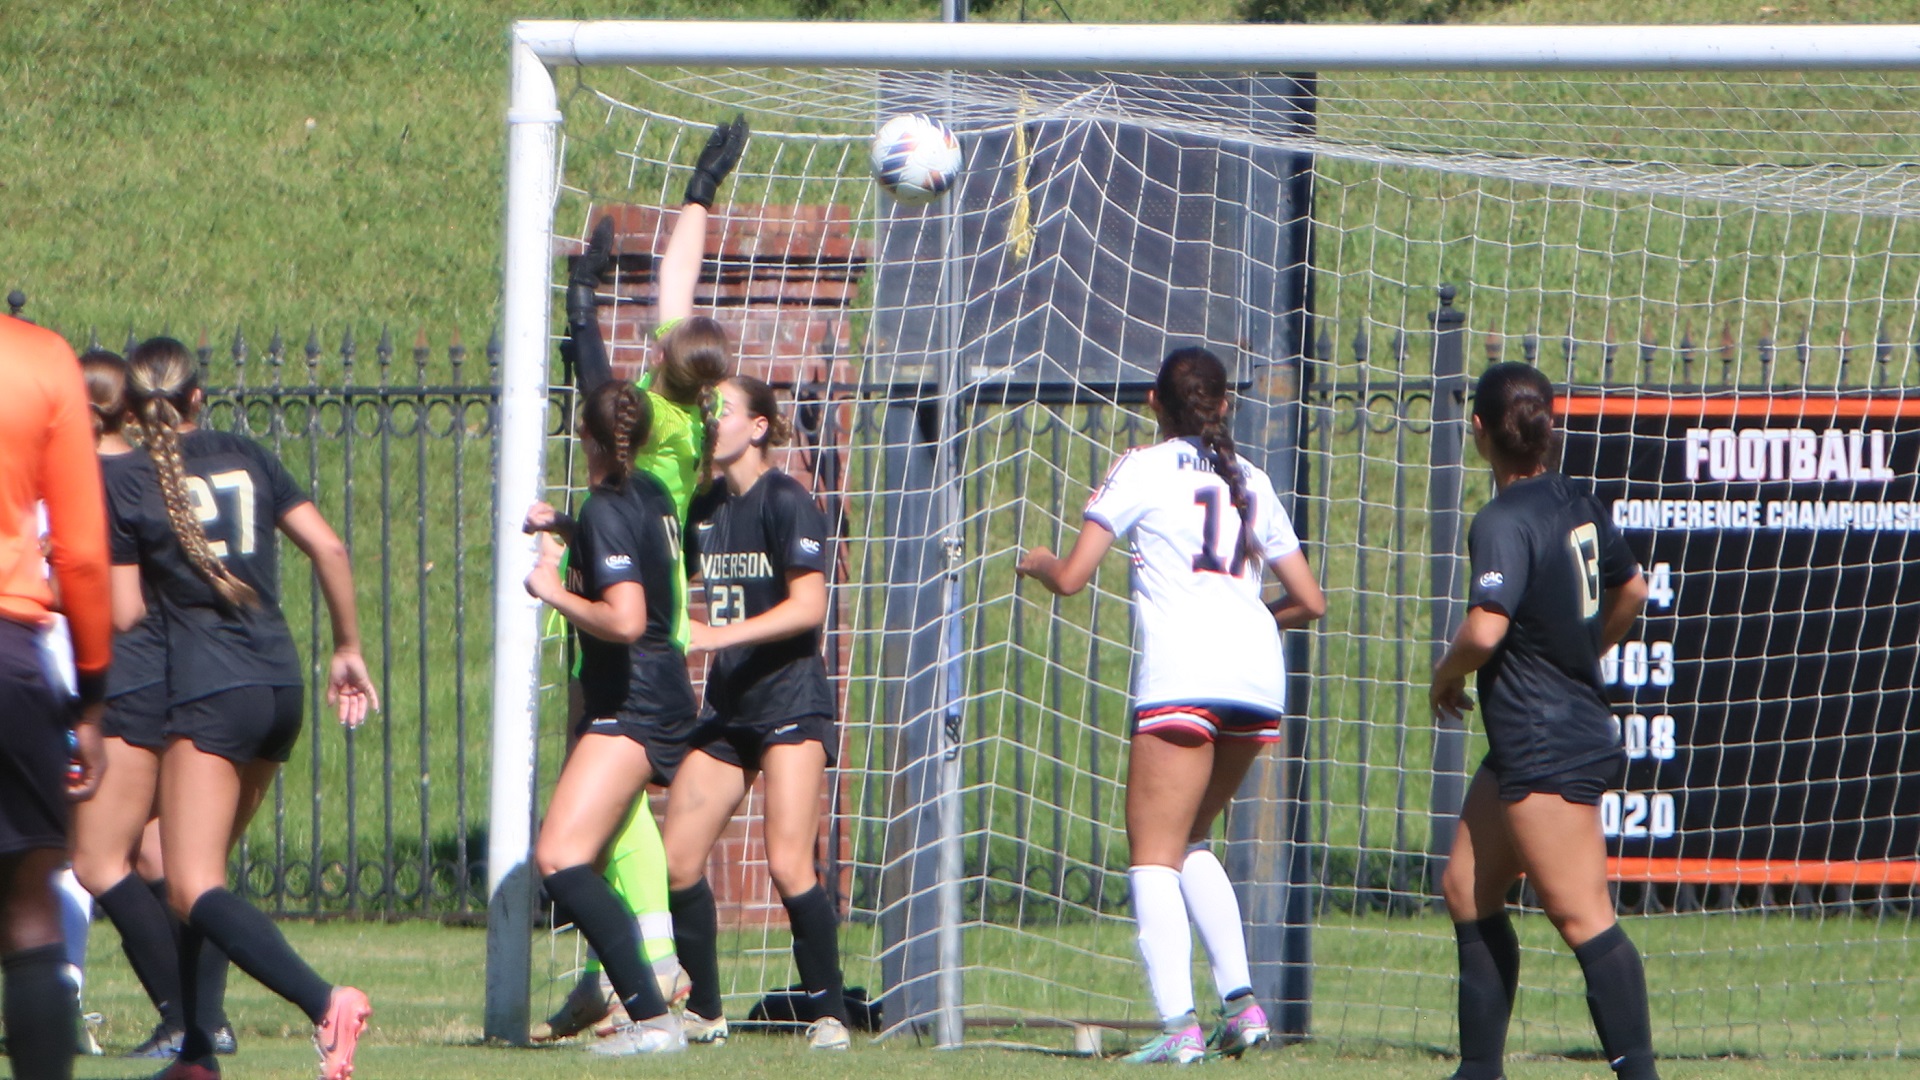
(915, 158)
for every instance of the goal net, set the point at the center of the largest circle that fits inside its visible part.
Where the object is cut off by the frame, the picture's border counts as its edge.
(1722, 270)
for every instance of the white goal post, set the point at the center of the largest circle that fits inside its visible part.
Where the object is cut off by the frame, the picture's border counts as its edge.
(535, 120)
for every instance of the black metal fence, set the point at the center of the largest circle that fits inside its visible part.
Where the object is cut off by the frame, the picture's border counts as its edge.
(395, 445)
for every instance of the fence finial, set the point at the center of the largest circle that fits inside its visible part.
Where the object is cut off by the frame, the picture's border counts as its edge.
(16, 302)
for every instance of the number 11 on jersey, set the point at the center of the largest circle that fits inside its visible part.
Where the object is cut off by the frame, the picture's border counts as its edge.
(1209, 560)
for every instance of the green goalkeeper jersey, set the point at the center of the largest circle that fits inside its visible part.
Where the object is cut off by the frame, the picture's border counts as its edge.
(672, 455)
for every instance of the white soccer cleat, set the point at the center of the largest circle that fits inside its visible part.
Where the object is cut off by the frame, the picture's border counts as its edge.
(704, 1031)
(675, 988)
(828, 1033)
(662, 1034)
(591, 1004)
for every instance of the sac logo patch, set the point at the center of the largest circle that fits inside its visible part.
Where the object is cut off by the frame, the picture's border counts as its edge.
(1492, 579)
(809, 545)
(619, 562)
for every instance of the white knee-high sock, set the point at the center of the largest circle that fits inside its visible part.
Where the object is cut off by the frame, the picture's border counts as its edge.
(76, 919)
(1166, 938)
(1215, 909)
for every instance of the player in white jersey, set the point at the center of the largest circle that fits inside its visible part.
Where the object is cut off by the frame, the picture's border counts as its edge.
(1211, 683)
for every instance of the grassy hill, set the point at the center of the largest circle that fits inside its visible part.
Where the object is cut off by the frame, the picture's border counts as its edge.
(204, 163)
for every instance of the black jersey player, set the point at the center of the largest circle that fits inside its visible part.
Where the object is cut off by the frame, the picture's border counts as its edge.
(1553, 586)
(637, 701)
(201, 524)
(109, 828)
(761, 546)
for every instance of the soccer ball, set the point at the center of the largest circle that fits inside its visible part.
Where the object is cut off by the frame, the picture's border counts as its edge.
(915, 158)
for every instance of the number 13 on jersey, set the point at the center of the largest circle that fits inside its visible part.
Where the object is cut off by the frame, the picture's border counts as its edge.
(1585, 541)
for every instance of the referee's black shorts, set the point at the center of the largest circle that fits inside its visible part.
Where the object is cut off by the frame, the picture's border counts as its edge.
(35, 717)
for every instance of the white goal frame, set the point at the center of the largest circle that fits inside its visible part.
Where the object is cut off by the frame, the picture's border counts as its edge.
(534, 120)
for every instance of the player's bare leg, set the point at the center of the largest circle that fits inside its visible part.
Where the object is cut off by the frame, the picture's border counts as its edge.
(796, 777)
(1167, 781)
(706, 792)
(1564, 854)
(1482, 866)
(205, 803)
(1214, 908)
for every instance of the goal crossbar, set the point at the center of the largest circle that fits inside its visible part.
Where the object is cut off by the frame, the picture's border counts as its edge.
(1141, 47)
(534, 122)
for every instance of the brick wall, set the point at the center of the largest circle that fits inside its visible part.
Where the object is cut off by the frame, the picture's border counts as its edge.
(782, 280)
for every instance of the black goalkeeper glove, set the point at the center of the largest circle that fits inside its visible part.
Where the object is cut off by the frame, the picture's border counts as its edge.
(717, 159)
(584, 272)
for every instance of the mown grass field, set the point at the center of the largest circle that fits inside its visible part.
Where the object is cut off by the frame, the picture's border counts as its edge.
(422, 979)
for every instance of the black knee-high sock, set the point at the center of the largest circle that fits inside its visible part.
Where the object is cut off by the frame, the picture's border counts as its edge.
(251, 940)
(585, 897)
(196, 1045)
(696, 930)
(214, 963)
(42, 1013)
(212, 976)
(816, 950)
(1617, 998)
(1489, 976)
(211, 982)
(147, 937)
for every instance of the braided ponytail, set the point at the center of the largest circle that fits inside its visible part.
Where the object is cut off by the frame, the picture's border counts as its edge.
(161, 378)
(1192, 391)
(619, 418)
(709, 428)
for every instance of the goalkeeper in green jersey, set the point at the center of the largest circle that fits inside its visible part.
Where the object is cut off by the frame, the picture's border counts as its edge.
(689, 362)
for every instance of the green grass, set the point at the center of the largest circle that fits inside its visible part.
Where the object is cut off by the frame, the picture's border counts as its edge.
(206, 164)
(424, 980)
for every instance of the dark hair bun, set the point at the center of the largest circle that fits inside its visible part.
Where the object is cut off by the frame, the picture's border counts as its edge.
(1515, 405)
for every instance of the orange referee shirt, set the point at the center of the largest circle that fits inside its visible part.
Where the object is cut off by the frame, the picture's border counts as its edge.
(46, 453)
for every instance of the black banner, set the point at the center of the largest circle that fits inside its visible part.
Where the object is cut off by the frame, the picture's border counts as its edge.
(1766, 699)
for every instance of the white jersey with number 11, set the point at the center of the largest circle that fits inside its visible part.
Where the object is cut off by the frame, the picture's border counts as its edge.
(1203, 633)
